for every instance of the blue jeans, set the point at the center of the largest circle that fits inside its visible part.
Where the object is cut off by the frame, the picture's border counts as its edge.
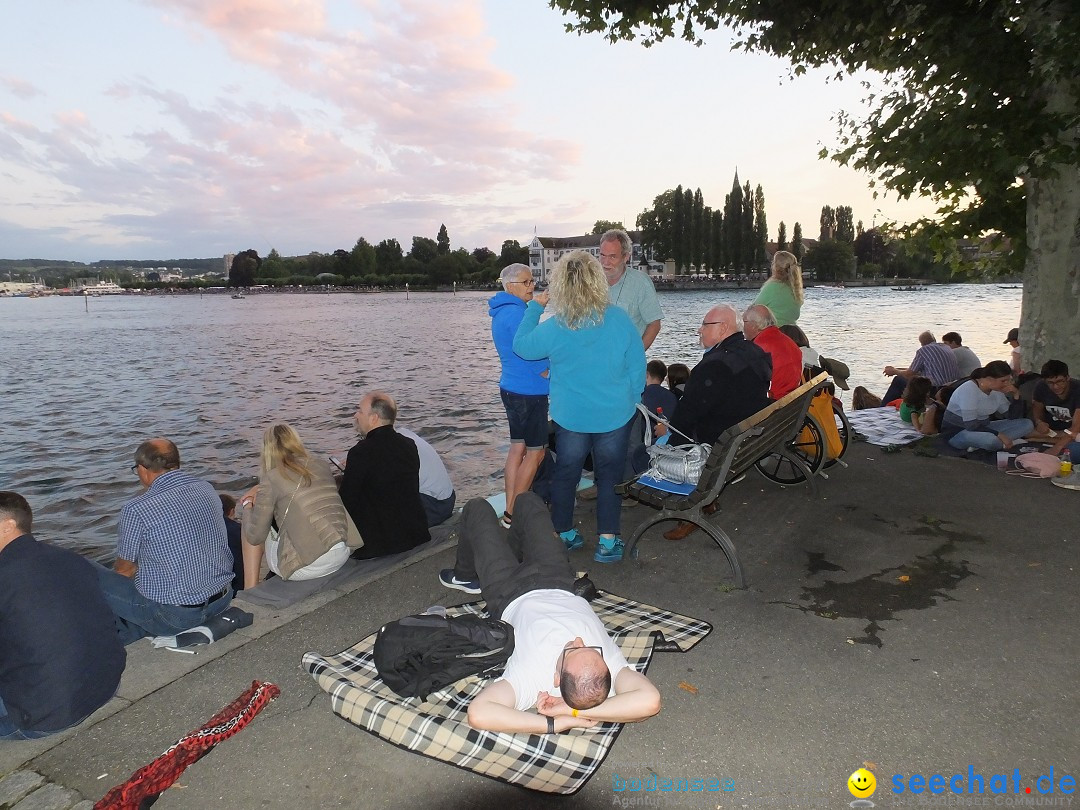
(9, 732)
(984, 440)
(609, 456)
(138, 617)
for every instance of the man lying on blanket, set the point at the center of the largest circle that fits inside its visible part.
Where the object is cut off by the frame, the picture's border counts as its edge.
(564, 663)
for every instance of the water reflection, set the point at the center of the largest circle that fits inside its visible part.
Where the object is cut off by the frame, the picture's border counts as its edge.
(82, 389)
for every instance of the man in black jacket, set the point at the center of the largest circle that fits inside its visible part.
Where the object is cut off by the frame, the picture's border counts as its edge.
(730, 383)
(381, 484)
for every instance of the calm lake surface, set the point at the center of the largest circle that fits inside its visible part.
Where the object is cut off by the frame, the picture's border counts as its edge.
(80, 390)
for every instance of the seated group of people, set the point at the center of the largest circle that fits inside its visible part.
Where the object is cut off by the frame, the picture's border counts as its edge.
(945, 390)
(175, 569)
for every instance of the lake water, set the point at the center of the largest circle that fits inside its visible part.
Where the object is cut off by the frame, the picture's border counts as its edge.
(80, 390)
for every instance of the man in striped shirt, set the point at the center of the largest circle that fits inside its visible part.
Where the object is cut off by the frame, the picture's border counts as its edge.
(934, 360)
(173, 566)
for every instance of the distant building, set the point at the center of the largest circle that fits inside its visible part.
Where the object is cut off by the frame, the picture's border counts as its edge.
(228, 262)
(545, 251)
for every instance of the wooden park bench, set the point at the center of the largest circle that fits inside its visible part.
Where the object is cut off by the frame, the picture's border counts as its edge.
(769, 431)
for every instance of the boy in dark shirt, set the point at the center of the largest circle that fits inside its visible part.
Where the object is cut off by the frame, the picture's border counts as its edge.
(232, 529)
(1056, 406)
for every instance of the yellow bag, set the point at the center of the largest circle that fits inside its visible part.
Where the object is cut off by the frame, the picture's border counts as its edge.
(821, 409)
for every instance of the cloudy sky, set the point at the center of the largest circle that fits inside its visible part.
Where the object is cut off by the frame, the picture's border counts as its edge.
(191, 128)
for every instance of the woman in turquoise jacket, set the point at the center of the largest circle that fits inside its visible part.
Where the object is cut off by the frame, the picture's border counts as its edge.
(597, 376)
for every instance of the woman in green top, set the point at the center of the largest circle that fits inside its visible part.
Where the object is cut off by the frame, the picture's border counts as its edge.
(783, 292)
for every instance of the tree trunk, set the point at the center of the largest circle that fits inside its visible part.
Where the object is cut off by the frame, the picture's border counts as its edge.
(1050, 315)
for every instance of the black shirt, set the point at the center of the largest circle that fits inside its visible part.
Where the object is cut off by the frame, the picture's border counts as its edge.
(381, 490)
(60, 655)
(1059, 410)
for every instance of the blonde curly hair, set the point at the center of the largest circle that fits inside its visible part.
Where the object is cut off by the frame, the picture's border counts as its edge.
(785, 268)
(578, 290)
(282, 447)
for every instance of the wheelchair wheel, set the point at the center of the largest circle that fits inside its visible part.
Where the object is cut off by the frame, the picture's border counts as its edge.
(843, 427)
(808, 446)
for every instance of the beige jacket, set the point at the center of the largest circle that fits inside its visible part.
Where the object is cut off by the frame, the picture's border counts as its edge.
(316, 519)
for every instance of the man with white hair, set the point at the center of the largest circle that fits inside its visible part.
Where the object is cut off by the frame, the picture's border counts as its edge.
(729, 384)
(759, 325)
(630, 290)
(523, 386)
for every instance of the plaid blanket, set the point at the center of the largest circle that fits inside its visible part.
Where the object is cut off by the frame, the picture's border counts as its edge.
(883, 426)
(437, 727)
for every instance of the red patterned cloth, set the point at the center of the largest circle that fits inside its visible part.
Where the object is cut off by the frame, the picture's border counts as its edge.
(144, 786)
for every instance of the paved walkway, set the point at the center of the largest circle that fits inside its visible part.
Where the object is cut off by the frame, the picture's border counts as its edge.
(919, 615)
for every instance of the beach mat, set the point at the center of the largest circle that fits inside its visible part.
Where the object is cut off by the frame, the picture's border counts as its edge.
(279, 593)
(438, 728)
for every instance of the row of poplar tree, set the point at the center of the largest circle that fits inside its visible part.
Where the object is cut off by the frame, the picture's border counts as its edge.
(703, 239)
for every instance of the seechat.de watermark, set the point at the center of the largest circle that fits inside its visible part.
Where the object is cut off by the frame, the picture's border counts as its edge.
(998, 789)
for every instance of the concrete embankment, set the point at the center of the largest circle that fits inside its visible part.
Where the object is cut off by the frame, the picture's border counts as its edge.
(918, 614)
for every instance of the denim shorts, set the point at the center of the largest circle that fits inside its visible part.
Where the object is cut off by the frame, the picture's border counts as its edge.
(528, 418)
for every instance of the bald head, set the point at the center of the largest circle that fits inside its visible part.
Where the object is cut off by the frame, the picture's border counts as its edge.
(757, 319)
(720, 322)
(158, 455)
(154, 458)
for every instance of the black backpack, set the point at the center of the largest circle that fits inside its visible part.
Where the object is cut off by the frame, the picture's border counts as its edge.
(418, 655)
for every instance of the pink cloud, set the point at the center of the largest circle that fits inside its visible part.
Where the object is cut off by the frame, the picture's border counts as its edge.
(391, 127)
(20, 87)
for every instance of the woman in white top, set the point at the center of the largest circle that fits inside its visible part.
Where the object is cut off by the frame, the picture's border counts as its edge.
(975, 416)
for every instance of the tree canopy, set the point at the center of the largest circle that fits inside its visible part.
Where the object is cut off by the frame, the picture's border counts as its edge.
(603, 225)
(979, 108)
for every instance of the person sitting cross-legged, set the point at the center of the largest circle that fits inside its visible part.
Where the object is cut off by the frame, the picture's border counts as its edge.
(564, 664)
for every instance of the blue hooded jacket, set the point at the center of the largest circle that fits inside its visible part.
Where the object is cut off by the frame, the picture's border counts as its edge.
(518, 376)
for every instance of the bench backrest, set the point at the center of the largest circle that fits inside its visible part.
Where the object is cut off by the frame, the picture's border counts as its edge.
(741, 446)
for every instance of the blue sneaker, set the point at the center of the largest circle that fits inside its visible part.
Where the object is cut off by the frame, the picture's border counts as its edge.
(609, 550)
(447, 578)
(572, 540)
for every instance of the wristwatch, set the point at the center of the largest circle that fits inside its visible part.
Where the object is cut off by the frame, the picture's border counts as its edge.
(551, 724)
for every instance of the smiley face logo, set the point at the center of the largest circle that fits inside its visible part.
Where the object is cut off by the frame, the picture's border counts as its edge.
(862, 784)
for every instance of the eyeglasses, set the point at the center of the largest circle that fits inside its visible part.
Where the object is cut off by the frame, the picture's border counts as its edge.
(135, 468)
(710, 323)
(528, 282)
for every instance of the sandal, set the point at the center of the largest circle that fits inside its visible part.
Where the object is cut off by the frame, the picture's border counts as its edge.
(506, 520)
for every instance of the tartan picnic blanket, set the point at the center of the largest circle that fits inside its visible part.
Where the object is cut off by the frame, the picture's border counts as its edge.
(438, 728)
(883, 426)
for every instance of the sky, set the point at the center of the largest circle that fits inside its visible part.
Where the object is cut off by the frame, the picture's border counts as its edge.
(145, 129)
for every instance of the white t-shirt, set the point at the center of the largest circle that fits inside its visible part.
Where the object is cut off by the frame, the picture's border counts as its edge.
(544, 621)
(434, 479)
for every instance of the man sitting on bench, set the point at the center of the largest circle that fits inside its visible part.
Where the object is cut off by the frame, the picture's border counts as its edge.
(729, 384)
(564, 663)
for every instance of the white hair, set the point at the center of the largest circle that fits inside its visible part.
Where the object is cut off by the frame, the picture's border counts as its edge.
(512, 271)
(760, 316)
(734, 314)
